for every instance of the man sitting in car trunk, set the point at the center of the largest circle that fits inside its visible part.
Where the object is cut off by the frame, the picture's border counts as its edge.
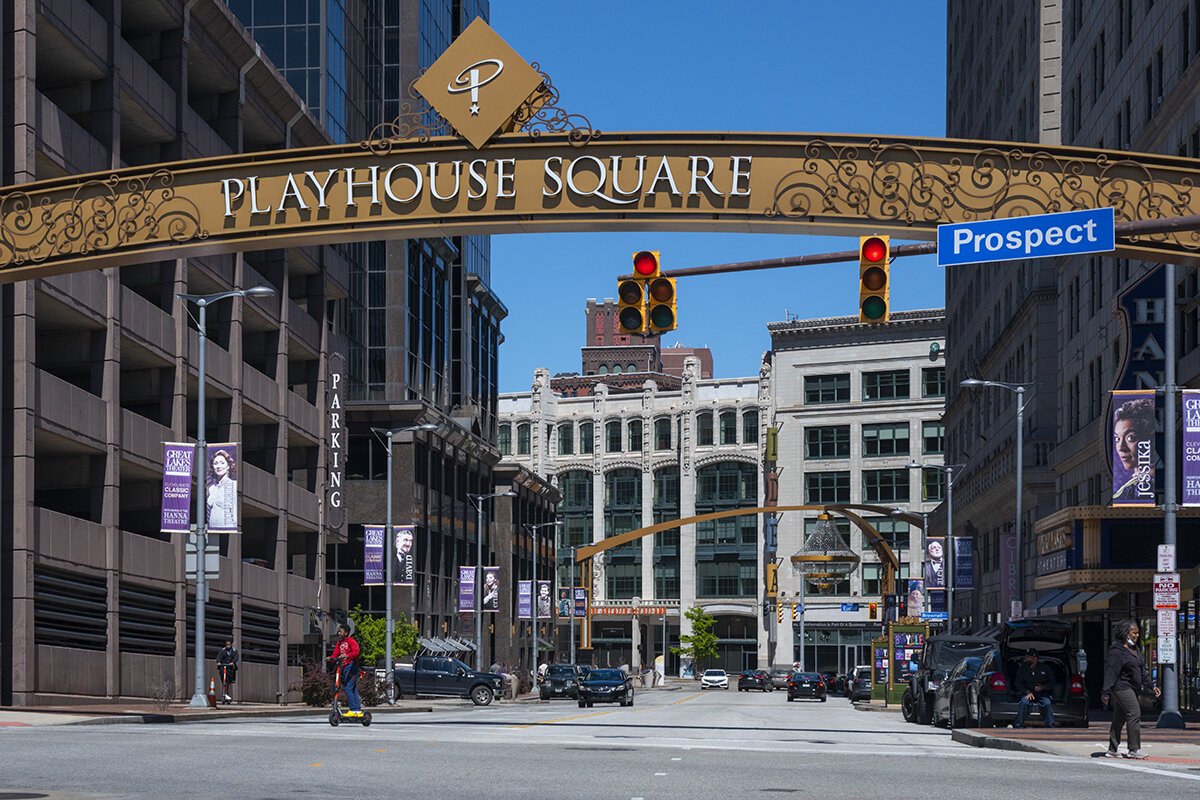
(1035, 684)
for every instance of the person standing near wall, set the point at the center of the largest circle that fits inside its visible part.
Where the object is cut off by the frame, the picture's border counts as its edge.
(1124, 677)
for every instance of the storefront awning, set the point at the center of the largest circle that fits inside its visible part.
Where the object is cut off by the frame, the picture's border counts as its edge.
(1074, 605)
(1049, 603)
(1100, 602)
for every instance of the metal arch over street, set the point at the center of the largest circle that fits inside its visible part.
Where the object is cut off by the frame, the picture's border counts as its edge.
(880, 545)
(524, 183)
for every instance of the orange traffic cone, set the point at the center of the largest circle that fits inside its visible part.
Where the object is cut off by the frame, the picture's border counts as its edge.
(212, 693)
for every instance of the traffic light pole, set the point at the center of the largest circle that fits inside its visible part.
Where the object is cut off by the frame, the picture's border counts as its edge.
(1123, 229)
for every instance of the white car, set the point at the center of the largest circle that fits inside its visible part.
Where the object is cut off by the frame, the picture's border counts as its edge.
(714, 679)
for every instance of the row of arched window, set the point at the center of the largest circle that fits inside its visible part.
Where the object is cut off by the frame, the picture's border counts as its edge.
(626, 437)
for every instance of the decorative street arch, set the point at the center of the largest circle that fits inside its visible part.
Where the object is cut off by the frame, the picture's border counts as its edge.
(484, 147)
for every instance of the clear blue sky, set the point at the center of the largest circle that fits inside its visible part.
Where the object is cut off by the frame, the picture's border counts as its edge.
(845, 67)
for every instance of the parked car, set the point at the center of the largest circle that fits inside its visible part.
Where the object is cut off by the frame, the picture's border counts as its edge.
(755, 679)
(561, 680)
(714, 679)
(991, 698)
(780, 677)
(940, 655)
(860, 683)
(606, 686)
(438, 676)
(950, 698)
(831, 681)
(807, 684)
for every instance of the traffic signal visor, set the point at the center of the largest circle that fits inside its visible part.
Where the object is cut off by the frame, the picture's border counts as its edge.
(631, 311)
(874, 254)
(646, 264)
(662, 305)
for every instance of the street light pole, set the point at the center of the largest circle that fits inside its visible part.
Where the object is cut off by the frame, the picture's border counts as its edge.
(533, 588)
(948, 471)
(572, 599)
(1019, 390)
(202, 301)
(1170, 716)
(478, 499)
(388, 554)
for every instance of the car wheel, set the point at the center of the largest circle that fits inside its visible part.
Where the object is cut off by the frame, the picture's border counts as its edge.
(481, 695)
(925, 712)
(985, 714)
(590, 704)
(790, 698)
(631, 702)
(582, 704)
(823, 699)
(908, 708)
(703, 687)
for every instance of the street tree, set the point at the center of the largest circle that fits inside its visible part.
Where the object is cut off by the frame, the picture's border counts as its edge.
(370, 631)
(701, 644)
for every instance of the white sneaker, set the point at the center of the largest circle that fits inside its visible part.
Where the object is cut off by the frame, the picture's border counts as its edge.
(1112, 754)
(228, 699)
(1137, 755)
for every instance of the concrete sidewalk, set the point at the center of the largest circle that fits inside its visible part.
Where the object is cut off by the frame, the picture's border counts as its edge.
(1164, 746)
(124, 713)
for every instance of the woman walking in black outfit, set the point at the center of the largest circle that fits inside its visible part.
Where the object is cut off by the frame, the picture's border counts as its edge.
(1124, 677)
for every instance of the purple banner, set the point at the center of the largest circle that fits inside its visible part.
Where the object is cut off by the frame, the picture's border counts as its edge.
(1134, 424)
(177, 487)
(220, 480)
(935, 563)
(581, 602)
(1191, 447)
(466, 590)
(373, 555)
(524, 604)
(964, 562)
(491, 590)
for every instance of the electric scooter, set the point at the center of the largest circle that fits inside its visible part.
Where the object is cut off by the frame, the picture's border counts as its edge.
(336, 715)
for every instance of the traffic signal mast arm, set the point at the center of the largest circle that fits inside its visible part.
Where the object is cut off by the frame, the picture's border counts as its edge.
(1124, 229)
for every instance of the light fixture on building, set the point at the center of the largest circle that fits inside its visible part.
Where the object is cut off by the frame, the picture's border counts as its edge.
(824, 557)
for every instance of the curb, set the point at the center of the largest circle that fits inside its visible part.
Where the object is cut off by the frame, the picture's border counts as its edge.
(877, 709)
(976, 739)
(152, 719)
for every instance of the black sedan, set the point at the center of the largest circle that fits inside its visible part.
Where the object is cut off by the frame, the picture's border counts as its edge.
(807, 684)
(605, 686)
(951, 698)
(755, 679)
(561, 680)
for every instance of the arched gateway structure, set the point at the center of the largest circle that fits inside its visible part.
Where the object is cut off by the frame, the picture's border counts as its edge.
(577, 181)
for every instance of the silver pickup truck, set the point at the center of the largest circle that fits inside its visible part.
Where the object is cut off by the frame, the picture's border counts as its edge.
(438, 676)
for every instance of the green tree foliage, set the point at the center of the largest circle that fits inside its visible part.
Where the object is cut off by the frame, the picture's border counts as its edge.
(701, 644)
(370, 631)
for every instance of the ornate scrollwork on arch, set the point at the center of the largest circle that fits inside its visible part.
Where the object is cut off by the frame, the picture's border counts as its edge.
(901, 182)
(717, 458)
(542, 114)
(417, 120)
(622, 463)
(663, 463)
(100, 215)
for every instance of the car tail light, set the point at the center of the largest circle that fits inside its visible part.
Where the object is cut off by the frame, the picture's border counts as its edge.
(820, 684)
(998, 683)
(1076, 685)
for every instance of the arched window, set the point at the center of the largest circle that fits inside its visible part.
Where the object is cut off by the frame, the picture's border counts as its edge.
(612, 436)
(603, 369)
(616, 370)
(587, 437)
(728, 427)
(505, 439)
(662, 433)
(566, 439)
(523, 439)
(623, 513)
(635, 435)
(704, 428)
(631, 368)
(750, 427)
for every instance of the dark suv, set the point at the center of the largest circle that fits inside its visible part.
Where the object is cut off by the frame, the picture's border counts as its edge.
(561, 680)
(940, 655)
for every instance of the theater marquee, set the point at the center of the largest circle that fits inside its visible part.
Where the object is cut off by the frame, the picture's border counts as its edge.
(486, 148)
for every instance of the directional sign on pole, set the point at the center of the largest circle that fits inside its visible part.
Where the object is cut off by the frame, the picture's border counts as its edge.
(1166, 622)
(1166, 558)
(1091, 230)
(1166, 591)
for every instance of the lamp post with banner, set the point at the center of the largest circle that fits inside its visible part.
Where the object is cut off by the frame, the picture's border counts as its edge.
(477, 501)
(203, 301)
(388, 542)
(532, 530)
(948, 471)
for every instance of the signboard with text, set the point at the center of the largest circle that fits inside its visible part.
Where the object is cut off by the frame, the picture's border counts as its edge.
(1091, 230)
(1166, 590)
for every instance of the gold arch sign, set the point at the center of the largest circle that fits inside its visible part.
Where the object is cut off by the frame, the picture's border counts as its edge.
(414, 187)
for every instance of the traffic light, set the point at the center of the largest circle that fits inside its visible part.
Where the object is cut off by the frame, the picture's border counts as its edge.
(646, 264)
(779, 613)
(874, 253)
(631, 313)
(874, 610)
(662, 305)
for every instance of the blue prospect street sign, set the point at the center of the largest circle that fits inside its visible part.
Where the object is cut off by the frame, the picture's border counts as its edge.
(849, 606)
(1091, 230)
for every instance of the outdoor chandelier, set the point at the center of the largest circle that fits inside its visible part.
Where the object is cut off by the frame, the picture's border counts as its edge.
(824, 557)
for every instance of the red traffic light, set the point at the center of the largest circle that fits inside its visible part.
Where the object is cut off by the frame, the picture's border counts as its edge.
(645, 263)
(874, 249)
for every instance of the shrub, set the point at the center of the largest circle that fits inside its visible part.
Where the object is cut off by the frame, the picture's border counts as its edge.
(316, 687)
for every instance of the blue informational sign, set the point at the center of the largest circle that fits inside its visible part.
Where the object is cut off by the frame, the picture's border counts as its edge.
(934, 615)
(849, 606)
(1091, 230)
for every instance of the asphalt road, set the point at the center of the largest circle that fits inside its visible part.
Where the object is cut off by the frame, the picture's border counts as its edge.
(690, 744)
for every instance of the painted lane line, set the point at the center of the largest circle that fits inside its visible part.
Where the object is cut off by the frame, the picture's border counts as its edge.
(685, 699)
(660, 774)
(1166, 773)
(560, 719)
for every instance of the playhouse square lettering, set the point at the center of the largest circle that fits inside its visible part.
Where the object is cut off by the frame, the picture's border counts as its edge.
(617, 180)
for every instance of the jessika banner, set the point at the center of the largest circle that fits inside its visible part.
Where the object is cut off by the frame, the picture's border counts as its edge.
(1133, 448)
(177, 487)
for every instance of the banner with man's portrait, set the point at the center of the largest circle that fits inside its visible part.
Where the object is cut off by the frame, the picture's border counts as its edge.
(404, 566)
(543, 600)
(935, 563)
(1134, 422)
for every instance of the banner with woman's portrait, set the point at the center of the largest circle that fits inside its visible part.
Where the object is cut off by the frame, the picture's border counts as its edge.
(1134, 423)
(491, 590)
(221, 487)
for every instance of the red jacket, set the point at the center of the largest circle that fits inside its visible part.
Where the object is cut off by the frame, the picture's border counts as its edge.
(346, 649)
